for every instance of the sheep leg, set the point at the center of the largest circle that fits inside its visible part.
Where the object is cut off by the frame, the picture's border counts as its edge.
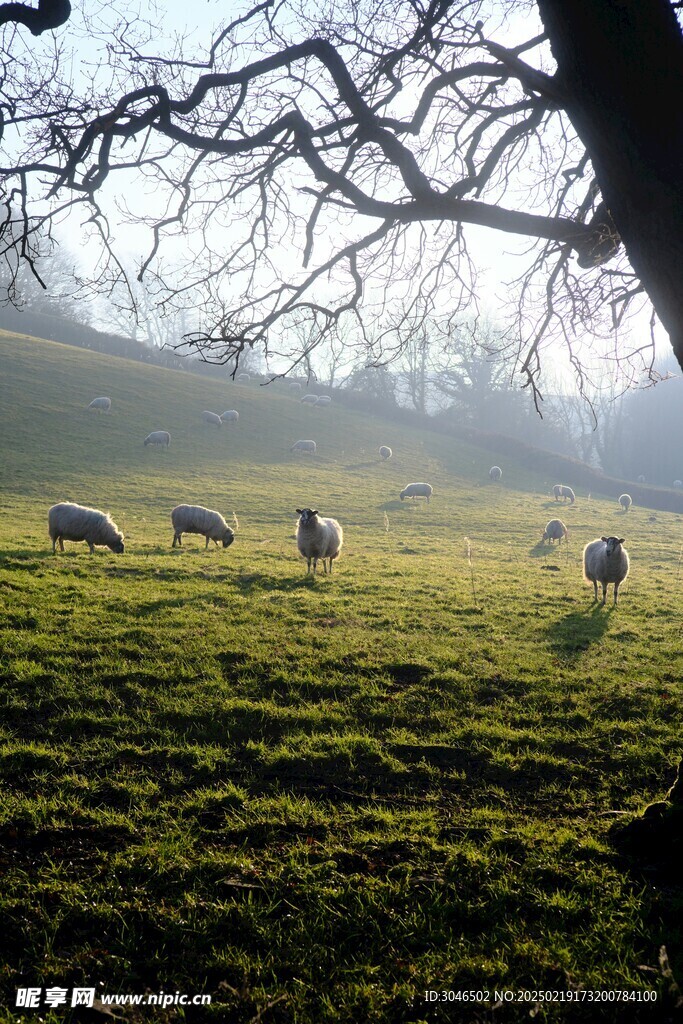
(54, 545)
(604, 594)
(616, 592)
(308, 570)
(91, 546)
(595, 590)
(207, 544)
(176, 540)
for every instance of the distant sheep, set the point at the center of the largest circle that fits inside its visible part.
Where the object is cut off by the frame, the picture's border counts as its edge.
(562, 491)
(100, 404)
(242, 378)
(309, 400)
(625, 501)
(317, 537)
(641, 479)
(555, 530)
(158, 437)
(304, 446)
(230, 416)
(67, 521)
(212, 418)
(385, 452)
(605, 562)
(678, 483)
(323, 400)
(417, 490)
(197, 519)
(295, 385)
(495, 472)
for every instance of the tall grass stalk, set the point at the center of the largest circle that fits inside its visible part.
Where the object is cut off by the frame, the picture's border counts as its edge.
(468, 552)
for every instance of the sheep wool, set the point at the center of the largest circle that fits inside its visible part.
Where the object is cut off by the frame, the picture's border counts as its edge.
(605, 561)
(68, 521)
(309, 400)
(564, 492)
(197, 519)
(625, 501)
(555, 530)
(212, 417)
(304, 446)
(385, 452)
(230, 416)
(102, 404)
(317, 537)
(158, 437)
(495, 472)
(417, 490)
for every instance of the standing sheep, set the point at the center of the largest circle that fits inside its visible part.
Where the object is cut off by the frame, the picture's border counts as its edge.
(323, 400)
(230, 416)
(555, 530)
(417, 490)
(100, 404)
(212, 418)
(295, 385)
(562, 491)
(242, 378)
(197, 519)
(495, 472)
(317, 537)
(158, 437)
(304, 446)
(68, 521)
(385, 452)
(625, 501)
(309, 400)
(605, 562)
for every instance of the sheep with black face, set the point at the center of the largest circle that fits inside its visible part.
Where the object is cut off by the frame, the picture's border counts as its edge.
(318, 537)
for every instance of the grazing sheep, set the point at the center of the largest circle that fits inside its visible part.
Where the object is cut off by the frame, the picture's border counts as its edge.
(295, 385)
(641, 479)
(230, 416)
(385, 452)
(212, 417)
(309, 400)
(417, 490)
(242, 378)
(100, 404)
(67, 521)
(158, 437)
(318, 538)
(625, 501)
(678, 483)
(495, 472)
(197, 519)
(555, 530)
(562, 491)
(324, 400)
(605, 562)
(304, 446)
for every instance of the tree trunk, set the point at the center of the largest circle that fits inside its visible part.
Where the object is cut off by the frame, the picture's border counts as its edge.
(621, 66)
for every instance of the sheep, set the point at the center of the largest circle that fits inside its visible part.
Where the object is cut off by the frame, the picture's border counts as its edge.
(304, 446)
(68, 521)
(495, 472)
(555, 530)
(212, 417)
(242, 378)
(317, 537)
(605, 562)
(625, 501)
(323, 400)
(309, 400)
(385, 452)
(197, 519)
(678, 483)
(562, 491)
(100, 404)
(158, 437)
(417, 490)
(295, 385)
(230, 416)
(641, 479)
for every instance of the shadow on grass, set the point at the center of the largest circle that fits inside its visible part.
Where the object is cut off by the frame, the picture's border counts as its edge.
(364, 465)
(576, 632)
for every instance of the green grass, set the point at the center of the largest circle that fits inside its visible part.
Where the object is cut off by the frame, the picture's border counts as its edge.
(315, 800)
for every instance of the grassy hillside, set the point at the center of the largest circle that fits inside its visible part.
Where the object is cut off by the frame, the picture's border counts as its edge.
(316, 800)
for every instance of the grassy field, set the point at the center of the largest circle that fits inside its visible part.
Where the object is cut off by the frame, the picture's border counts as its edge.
(316, 800)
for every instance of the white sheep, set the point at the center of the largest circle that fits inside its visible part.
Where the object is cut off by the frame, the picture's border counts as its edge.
(555, 530)
(197, 519)
(68, 521)
(323, 400)
(309, 400)
(242, 378)
(605, 562)
(641, 479)
(678, 483)
(212, 418)
(495, 472)
(230, 416)
(385, 452)
(317, 537)
(158, 437)
(417, 490)
(295, 385)
(563, 491)
(304, 446)
(625, 501)
(102, 404)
